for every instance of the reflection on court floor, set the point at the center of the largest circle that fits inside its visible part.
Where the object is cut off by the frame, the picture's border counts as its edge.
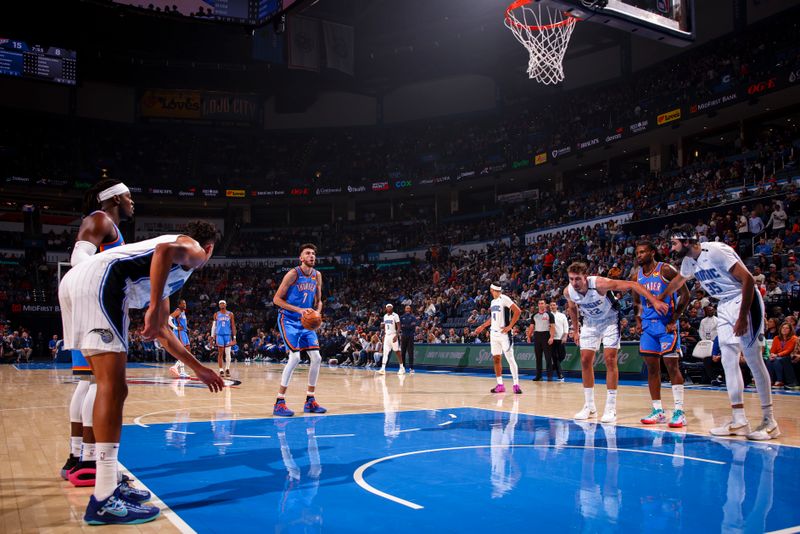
(458, 470)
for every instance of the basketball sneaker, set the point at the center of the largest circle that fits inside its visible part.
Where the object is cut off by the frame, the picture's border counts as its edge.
(411, 371)
(731, 428)
(71, 462)
(227, 373)
(174, 372)
(768, 429)
(281, 409)
(131, 494)
(499, 388)
(83, 474)
(588, 410)
(401, 371)
(655, 417)
(311, 406)
(678, 419)
(116, 510)
(517, 389)
(381, 371)
(609, 415)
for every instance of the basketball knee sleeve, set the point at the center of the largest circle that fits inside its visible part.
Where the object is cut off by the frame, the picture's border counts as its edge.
(87, 409)
(512, 365)
(227, 356)
(294, 359)
(75, 404)
(313, 371)
(752, 355)
(734, 382)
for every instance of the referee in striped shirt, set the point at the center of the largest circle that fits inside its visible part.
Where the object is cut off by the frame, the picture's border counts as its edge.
(543, 331)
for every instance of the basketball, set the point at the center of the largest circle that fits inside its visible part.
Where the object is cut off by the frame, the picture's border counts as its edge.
(311, 319)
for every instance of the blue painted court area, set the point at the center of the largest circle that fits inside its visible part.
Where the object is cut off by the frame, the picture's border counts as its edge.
(459, 470)
(44, 366)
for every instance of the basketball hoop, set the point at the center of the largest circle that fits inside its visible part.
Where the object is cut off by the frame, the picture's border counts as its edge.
(545, 34)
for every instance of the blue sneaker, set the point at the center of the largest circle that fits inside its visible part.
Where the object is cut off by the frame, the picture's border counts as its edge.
(117, 511)
(129, 493)
(281, 409)
(678, 419)
(311, 406)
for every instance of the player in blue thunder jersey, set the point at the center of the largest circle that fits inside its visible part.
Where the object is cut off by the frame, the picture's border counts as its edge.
(300, 290)
(660, 337)
(180, 327)
(107, 203)
(223, 330)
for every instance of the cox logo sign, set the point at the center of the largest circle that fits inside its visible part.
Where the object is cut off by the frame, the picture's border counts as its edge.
(402, 184)
(762, 86)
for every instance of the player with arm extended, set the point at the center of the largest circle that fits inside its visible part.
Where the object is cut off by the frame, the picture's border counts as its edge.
(591, 296)
(95, 297)
(740, 324)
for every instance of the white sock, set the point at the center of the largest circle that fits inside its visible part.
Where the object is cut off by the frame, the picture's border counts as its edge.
(611, 399)
(89, 452)
(738, 415)
(106, 477)
(500, 380)
(767, 411)
(677, 392)
(309, 393)
(657, 405)
(75, 444)
(588, 395)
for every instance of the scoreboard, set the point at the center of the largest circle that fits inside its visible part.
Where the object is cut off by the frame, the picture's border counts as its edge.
(36, 62)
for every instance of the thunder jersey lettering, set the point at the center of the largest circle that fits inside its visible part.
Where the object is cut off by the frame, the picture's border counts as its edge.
(223, 327)
(656, 285)
(302, 293)
(593, 306)
(712, 269)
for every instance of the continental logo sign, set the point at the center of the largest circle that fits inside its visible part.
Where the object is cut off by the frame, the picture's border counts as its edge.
(171, 104)
(669, 116)
(234, 193)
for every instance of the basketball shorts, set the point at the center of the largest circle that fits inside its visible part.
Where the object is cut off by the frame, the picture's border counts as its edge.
(728, 313)
(656, 341)
(592, 335)
(295, 336)
(389, 343)
(225, 340)
(94, 317)
(182, 336)
(500, 343)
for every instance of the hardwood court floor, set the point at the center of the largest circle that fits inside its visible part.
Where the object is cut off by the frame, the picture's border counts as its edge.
(34, 424)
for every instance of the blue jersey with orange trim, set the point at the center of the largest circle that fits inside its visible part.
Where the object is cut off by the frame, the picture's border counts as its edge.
(655, 284)
(223, 327)
(110, 244)
(302, 292)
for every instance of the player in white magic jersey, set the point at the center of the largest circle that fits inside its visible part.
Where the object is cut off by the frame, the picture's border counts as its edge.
(740, 324)
(591, 296)
(504, 315)
(95, 297)
(391, 330)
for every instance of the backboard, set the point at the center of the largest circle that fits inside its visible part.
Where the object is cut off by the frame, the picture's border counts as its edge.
(668, 21)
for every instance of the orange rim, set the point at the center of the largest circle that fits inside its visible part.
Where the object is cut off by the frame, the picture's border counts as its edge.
(569, 18)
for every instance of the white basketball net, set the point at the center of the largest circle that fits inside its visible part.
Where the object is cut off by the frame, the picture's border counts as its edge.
(545, 33)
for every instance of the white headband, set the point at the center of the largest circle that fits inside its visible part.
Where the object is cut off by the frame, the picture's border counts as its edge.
(222, 302)
(114, 190)
(495, 287)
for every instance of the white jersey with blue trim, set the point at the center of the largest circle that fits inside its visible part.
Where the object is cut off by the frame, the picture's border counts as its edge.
(594, 307)
(712, 269)
(126, 269)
